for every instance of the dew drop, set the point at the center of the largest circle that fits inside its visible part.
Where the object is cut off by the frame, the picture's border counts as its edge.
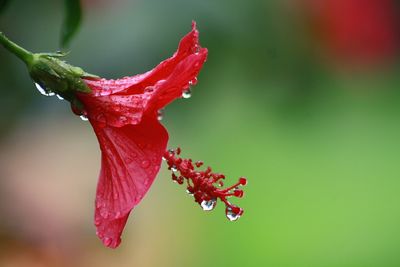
(160, 114)
(231, 215)
(187, 93)
(208, 205)
(104, 213)
(123, 119)
(149, 89)
(84, 118)
(101, 119)
(193, 81)
(145, 164)
(174, 169)
(43, 91)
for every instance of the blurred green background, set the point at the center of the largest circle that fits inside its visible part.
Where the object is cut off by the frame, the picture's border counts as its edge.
(300, 97)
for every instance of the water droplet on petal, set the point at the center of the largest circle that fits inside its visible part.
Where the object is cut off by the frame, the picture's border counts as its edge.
(84, 118)
(193, 81)
(160, 114)
(123, 119)
(208, 205)
(101, 120)
(145, 164)
(231, 215)
(104, 213)
(187, 93)
(149, 89)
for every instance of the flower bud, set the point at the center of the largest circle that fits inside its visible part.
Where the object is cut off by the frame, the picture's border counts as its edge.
(54, 75)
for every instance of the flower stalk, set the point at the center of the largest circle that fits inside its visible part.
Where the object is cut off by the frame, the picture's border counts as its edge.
(17, 50)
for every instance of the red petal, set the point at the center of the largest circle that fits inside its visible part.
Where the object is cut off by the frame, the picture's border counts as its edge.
(188, 45)
(131, 159)
(124, 101)
(183, 75)
(116, 110)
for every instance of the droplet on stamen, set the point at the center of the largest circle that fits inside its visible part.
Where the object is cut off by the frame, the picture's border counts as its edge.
(208, 205)
(231, 214)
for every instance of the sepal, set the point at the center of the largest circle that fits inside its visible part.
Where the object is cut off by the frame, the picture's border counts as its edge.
(56, 76)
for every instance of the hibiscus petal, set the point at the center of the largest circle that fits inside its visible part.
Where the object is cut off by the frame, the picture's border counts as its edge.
(131, 159)
(118, 110)
(188, 45)
(182, 77)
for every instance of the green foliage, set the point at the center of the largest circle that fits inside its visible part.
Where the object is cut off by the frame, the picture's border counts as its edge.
(72, 21)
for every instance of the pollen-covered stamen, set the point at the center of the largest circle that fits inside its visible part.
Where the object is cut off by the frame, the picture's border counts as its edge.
(205, 186)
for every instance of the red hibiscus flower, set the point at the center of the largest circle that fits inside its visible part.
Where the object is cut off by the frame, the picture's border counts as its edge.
(124, 114)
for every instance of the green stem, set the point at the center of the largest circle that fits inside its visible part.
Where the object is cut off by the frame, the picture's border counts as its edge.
(20, 52)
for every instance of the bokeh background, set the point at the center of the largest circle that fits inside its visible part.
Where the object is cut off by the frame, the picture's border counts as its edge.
(300, 96)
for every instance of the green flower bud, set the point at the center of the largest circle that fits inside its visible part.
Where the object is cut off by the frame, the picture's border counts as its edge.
(50, 73)
(54, 75)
